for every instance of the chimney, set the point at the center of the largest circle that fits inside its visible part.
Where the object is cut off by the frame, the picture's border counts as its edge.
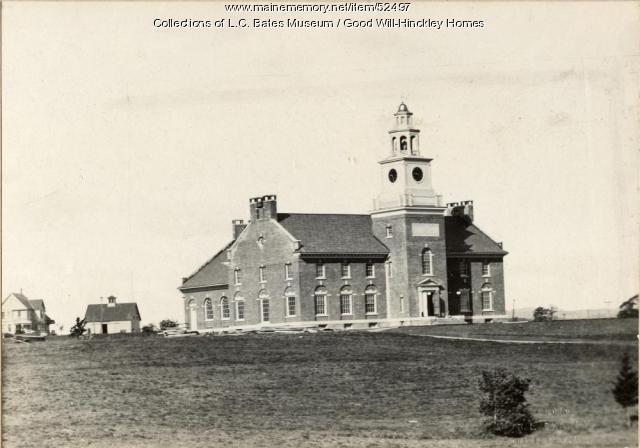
(463, 209)
(111, 301)
(264, 207)
(238, 226)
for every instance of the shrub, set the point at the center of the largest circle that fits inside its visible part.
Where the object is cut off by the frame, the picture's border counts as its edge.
(78, 329)
(542, 314)
(168, 323)
(149, 329)
(504, 403)
(626, 387)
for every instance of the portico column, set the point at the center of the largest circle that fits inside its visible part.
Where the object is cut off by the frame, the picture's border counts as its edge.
(446, 304)
(435, 300)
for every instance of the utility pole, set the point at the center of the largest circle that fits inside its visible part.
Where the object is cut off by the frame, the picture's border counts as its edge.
(606, 305)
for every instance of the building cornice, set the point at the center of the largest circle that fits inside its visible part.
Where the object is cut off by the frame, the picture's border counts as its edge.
(325, 255)
(408, 210)
(203, 287)
(476, 254)
(405, 158)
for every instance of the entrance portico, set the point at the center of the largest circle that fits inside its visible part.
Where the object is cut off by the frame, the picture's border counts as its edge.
(430, 299)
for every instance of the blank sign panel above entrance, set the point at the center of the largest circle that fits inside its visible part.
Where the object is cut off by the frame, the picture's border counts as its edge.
(425, 229)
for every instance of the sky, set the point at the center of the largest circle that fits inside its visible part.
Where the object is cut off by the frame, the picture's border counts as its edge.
(127, 149)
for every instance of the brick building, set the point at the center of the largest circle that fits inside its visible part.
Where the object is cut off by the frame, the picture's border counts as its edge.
(411, 260)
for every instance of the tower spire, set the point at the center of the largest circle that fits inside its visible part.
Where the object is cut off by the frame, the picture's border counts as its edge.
(405, 139)
(406, 174)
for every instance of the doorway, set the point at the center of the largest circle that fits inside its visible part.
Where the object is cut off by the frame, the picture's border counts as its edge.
(430, 303)
(104, 329)
(193, 315)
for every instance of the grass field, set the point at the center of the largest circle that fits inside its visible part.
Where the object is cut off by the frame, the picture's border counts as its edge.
(327, 389)
(582, 329)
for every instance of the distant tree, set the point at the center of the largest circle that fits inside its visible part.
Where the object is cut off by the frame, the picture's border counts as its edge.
(629, 308)
(168, 323)
(78, 329)
(504, 403)
(626, 387)
(542, 314)
(149, 329)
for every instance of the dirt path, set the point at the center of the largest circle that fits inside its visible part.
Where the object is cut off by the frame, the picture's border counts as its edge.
(524, 341)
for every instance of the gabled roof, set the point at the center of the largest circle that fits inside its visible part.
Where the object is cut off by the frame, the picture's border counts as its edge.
(465, 238)
(37, 304)
(105, 313)
(21, 298)
(213, 272)
(333, 233)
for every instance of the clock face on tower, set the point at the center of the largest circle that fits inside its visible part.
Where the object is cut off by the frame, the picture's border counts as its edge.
(417, 174)
(393, 175)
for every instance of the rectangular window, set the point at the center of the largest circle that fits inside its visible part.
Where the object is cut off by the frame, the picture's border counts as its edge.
(320, 272)
(370, 270)
(287, 272)
(261, 274)
(265, 310)
(370, 303)
(321, 302)
(240, 310)
(486, 269)
(464, 269)
(345, 304)
(402, 304)
(291, 306)
(236, 276)
(389, 232)
(346, 270)
(486, 301)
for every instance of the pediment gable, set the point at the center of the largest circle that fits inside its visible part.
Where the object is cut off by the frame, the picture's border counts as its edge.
(431, 281)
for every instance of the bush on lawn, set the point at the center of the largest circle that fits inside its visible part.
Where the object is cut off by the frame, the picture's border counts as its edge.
(168, 323)
(504, 403)
(149, 329)
(542, 314)
(78, 329)
(626, 387)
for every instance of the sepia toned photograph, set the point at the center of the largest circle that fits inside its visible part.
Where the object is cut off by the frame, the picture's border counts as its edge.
(320, 224)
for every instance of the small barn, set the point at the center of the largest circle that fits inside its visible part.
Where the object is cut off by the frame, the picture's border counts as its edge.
(113, 317)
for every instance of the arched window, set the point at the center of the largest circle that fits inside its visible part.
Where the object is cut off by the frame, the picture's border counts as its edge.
(264, 305)
(414, 145)
(486, 294)
(224, 308)
(239, 300)
(427, 262)
(320, 301)
(370, 305)
(346, 301)
(403, 144)
(208, 309)
(394, 145)
(290, 302)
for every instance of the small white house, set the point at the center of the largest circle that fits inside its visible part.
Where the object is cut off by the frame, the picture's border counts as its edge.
(113, 317)
(21, 314)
